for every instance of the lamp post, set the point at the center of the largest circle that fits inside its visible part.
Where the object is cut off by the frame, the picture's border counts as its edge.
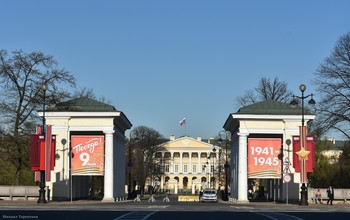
(214, 150)
(131, 139)
(303, 153)
(42, 185)
(226, 166)
(208, 171)
(219, 170)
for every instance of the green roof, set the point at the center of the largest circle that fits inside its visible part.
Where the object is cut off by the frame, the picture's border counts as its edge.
(83, 105)
(271, 107)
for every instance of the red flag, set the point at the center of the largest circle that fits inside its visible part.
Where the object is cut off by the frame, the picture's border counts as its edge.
(48, 152)
(310, 146)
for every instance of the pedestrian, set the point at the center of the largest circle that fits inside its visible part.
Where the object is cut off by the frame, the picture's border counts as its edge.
(318, 196)
(330, 194)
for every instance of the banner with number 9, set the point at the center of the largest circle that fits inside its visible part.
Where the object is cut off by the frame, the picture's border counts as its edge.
(88, 154)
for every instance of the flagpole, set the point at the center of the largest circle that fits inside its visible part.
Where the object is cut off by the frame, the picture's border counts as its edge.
(183, 122)
(185, 129)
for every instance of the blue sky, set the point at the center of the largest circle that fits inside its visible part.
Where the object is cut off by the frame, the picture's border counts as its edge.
(159, 61)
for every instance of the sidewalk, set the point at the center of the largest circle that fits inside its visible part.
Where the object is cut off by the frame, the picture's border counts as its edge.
(33, 202)
(336, 204)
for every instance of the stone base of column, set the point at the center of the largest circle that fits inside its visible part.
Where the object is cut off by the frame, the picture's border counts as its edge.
(242, 201)
(108, 199)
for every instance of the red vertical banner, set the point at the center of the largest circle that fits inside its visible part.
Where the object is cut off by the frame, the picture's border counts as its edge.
(296, 148)
(34, 152)
(37, 176)
(53, 152)
(303, 161)
(42, 152)
(48, 152)
(310, 146)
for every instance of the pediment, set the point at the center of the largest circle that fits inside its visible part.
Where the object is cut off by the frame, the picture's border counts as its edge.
(186, 142)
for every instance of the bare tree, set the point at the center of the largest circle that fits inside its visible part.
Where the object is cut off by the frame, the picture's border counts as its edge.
(267, 89)
(143, 151)
(21, 78)
(333, 83)
(89, 93)
(248, 98)
(84, 92)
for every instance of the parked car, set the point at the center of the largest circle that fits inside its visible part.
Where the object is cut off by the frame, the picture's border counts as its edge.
(209, 195)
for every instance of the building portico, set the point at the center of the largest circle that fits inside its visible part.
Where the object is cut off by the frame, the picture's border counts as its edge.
(90, 142)
(190, 165)
(262, 122)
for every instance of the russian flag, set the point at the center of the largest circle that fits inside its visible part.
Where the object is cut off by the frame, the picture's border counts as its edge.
(183, 122)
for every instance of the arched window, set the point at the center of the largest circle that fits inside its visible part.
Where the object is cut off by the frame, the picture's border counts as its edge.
(185, 182)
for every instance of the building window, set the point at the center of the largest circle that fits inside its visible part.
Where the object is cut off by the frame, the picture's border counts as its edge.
(203, 168)
(177, 155)
(212, 168)
(203, 155)
(185, 168)
(167, 168)
(185, 155)
(176, 168)
(194, 168)
(195, 155)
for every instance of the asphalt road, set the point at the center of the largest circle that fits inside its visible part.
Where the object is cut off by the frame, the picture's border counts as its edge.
(167, 215)
(85, 210)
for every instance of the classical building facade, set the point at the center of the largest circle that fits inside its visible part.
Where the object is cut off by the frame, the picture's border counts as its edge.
(190, 165)
(262, 150)
(90, 141)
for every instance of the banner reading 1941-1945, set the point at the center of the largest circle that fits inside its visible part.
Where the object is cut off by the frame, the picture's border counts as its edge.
(88, 151)
(263, 161)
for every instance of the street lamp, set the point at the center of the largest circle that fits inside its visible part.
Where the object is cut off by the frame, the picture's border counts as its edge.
(131, 139)
(208, 171)
(303, 154)
(214, 150)
(226, 166)
(219, 170)
(42, 185)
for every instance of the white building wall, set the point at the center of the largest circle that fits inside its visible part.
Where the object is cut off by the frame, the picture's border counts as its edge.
(63, 125)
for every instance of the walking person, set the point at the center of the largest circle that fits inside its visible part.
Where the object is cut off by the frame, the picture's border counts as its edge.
(330, 194)
(318, 196)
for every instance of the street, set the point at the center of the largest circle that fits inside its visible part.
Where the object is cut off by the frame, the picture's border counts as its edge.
(172, 210)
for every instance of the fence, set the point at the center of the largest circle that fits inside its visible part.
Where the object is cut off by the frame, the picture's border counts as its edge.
(19, 191)
(342, 195)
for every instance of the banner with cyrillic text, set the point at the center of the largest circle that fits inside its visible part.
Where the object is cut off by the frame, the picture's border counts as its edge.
(87, 155)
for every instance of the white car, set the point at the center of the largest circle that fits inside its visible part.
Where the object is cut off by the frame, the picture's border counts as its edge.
(209, 195)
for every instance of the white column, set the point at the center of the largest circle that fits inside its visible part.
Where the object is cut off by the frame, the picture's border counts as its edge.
(216, 169)
(199, 168)
(209, 169)
(242, 169)
(190, 168)
(108, 177)
(163, 176)
(171, 169)
(181, 168)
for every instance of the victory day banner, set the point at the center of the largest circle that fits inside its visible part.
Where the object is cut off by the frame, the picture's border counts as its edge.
(88, 155)
(263, 159)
